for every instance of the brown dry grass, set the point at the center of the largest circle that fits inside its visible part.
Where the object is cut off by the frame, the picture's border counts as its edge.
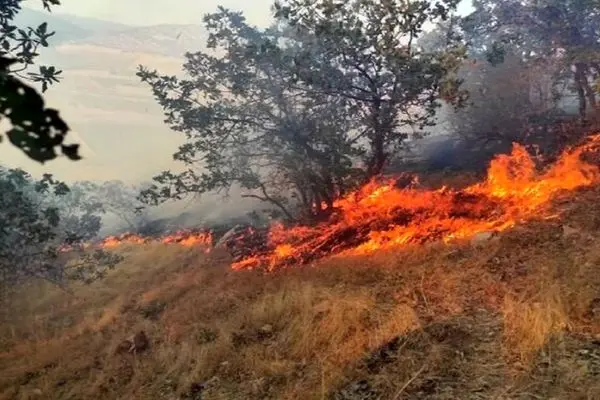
(513, 318)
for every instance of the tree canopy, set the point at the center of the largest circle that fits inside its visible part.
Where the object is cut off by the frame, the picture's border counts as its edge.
(114, 198)
(302, 112)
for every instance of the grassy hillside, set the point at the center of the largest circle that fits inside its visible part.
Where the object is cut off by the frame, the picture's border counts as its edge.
(513, 317)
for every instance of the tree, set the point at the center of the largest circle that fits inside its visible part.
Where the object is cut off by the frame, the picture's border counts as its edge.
(80, 214)
(37, 130)
(509, 102)
(567, 31)
(371, 58)
(250, 125)
(287, 113)
(34, 227)
(119, 199)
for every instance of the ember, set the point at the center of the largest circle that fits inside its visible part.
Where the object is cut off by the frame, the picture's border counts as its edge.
(383, 215)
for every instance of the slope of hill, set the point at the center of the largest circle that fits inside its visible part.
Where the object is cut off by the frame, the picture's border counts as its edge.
(513, 317)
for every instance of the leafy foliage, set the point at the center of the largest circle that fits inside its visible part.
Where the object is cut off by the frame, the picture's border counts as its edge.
(370, 49)
(527, 60)
(509, 102)
(299, 113)
(37, 218)
(249, 125)
(37, 130)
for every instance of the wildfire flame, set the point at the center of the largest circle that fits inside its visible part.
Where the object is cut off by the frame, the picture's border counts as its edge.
(189, 239)
(125, 238)
(380, 216)
(182, 238)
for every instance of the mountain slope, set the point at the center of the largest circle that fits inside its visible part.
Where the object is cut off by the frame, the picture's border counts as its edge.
(513, 317)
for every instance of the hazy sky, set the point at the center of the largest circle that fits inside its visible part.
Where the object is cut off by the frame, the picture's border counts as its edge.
(151, 12)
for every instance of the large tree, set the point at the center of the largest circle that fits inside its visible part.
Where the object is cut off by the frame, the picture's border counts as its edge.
(37, 130)
(370, 57)
(290, 112)
(509, 101)
(249, 124)
(114, 198)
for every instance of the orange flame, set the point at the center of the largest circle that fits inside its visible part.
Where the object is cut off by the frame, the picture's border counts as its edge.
(125, 238)
(182, 238)
(189, 239)
(379, 216)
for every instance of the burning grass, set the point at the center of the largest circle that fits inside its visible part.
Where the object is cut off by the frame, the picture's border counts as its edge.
(186, 238)
(380, 216)
(514, 317)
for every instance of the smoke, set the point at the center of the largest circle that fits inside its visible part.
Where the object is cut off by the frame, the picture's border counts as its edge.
(440, 152)
(205, 211)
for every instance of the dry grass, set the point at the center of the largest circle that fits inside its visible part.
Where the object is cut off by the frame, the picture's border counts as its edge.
(529, 324)
(512, 319)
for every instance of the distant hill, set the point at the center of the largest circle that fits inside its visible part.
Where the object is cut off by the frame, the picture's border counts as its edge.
(67, 27)
(168, 40)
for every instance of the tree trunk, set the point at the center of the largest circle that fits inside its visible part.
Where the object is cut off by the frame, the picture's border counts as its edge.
(378, 156)
(589, 92)
(580, 83)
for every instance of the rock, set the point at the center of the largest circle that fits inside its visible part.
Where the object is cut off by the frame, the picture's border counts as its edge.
(265, 332)
(136, 344)
(37, 392)
(482, 237)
